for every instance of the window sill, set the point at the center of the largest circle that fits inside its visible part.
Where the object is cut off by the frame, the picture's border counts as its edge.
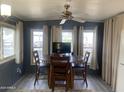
(32, 64)
(7, 60)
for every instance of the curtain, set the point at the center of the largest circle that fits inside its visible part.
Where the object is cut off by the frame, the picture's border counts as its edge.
(117, 29)
(45, 40)
(56, 35)
(80, 42)
(74, 39)
(106, 63)
(93, 55)
(19, 42)
(111, 45)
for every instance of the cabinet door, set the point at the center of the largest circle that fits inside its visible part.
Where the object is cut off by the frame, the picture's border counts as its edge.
(120, 78)
(120, 75)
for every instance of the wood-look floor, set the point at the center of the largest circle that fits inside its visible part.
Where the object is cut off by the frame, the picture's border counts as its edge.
(26, 83)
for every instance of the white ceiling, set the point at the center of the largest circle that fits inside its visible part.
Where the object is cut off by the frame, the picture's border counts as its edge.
(90, 10)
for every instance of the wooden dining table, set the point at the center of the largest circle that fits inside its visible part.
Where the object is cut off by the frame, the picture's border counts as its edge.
(74, 60)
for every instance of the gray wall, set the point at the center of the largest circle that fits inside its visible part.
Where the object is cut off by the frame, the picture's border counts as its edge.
(28, 25)
(9, 74)
(8, 70)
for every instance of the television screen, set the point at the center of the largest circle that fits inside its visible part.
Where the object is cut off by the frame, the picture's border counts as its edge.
(66, 47)
(61, 47)
(56, 47)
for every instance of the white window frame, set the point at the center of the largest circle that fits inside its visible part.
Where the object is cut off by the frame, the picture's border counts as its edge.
(7, 59)
(88, 31)
(31, 38)
(72, 37)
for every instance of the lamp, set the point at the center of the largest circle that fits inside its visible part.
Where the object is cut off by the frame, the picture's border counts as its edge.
(5, 10)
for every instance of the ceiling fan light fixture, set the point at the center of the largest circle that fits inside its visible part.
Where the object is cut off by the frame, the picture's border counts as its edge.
(67, 6)
(62, 21)
(68, 2)
(5, 10)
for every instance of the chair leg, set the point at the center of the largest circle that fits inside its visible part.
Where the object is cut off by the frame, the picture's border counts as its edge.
(52, 89)
(85, 78)
(86, 83)
(66, 88)
(35, 82)
(36, 78)
(53, 84)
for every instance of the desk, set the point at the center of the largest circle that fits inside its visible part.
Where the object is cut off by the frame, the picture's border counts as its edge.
(74, 60)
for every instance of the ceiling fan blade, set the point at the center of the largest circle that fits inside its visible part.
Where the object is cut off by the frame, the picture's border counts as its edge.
(63, 21)
(78, 20)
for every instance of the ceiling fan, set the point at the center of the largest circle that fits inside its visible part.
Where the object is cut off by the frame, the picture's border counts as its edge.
(67, 15)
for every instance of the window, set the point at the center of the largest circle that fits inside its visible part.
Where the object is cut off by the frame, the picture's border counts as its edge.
(87, 41)
(37, 41)
(7, 42)
(67, 37)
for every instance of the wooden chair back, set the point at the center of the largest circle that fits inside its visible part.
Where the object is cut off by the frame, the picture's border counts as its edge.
(36, 57)
(60, 70)
(60, 64)
(37, 66)
(86, 57)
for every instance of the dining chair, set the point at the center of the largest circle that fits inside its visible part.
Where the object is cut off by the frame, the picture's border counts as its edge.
(82, 64)
(37, 65)
(60, 72)
(85, 68)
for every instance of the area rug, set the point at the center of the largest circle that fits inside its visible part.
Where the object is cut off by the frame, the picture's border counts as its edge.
(49, 90)
(76, 77)
(63, 90)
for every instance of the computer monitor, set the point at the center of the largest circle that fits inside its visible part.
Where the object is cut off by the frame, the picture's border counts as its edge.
(61, 47)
